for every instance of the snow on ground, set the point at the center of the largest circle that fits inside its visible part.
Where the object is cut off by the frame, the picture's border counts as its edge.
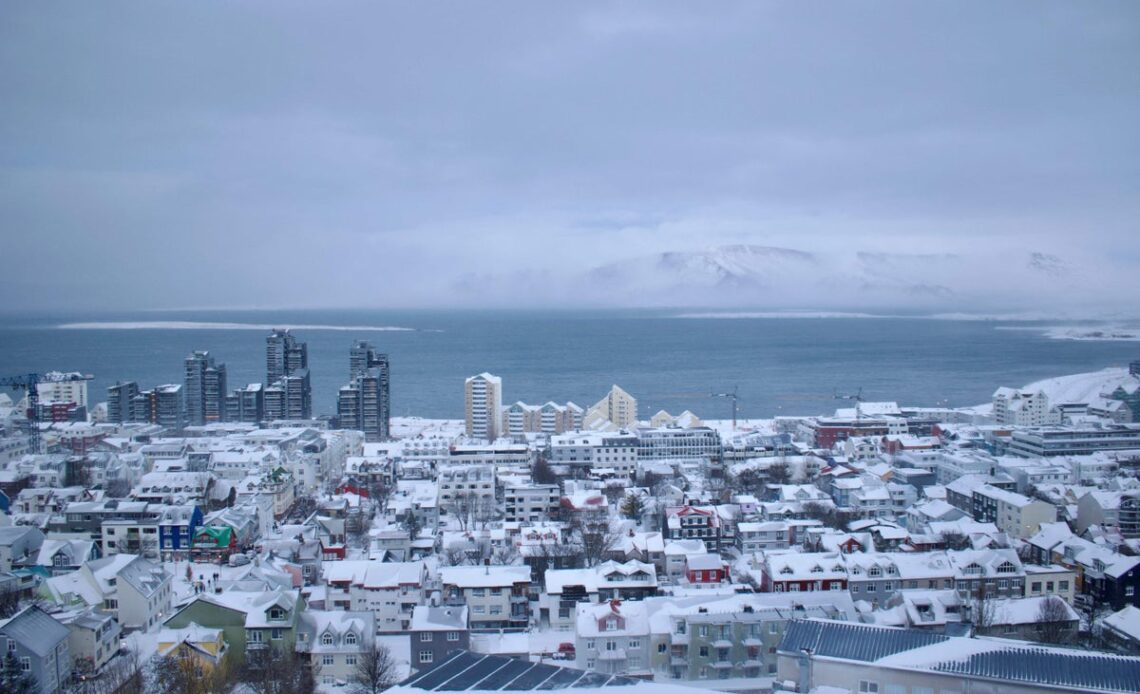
(411, 427)
(400, 646)
(1081, 387)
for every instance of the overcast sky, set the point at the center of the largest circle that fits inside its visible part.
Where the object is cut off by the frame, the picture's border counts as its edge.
(407, 153)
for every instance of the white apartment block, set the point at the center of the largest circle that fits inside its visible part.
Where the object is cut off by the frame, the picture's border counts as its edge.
(618, 406)
(531, 502)
(390, 591)
(458, 480)
(483, 405)
(1022, 408)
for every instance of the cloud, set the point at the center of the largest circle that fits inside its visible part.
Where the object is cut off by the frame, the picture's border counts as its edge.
(292, 154)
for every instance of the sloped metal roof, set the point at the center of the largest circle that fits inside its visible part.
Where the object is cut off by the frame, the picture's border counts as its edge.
(853, 641)
(1080, 670)
(463, 670)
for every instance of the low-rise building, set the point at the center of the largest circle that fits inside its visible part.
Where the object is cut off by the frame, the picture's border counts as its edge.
(498, 597)
(40, 645)
(436, 632)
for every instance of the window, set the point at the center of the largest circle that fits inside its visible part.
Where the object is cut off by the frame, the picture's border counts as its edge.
(327, 659)
(866, 687)
(350, 660)
(26, 664)
(1129, 591)
(704, 652)
(350, 639)
(255, 636)
(425, 656)
(611, 645)
(635, 643)
(1063, 586)
(275, 635)
(661, 647)
(1035, 587)
(773, 627)
(703, 630)
(326, 639)
(425, 637)
(478, 592)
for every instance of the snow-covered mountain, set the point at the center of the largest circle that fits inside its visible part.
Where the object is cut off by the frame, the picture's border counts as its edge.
(770, 276)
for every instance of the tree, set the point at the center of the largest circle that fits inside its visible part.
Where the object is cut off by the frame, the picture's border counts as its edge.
(542, 473)
(277, 671)
(504, 555)
(779, 473)
(549, 555)
(748, 481)
(376, 670)
(595, 537)
(613, 493)
(461, 506)
(632, 506)
(182, 673)
(412, 524)
(9, 602)
(983, 609)
(955, 540)
(1053, 620)
(13, 680)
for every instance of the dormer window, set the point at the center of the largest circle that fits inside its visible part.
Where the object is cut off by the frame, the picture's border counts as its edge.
(1006, 568)
(326, 639)
(276, 613)
(350, 639)
(817, 569)
(612, 624)
(874, 571)
(787, 570)
(893, 570)
(972, 569)
(856, 571)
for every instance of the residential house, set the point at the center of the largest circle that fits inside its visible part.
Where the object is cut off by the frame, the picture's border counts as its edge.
(95, 638)
(335, 642)
(133, 589)
(612, 638)
(249, 620)
(41, 646)
(498, 596)
(436, 632)
(390, 591)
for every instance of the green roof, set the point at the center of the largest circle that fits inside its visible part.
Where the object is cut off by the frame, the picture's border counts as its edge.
(208, 535)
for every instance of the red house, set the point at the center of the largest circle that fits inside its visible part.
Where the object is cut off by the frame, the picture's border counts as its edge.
(706, 568)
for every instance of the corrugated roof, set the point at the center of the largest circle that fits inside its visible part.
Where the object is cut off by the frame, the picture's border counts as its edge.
(1080, 670)
(463, 670)
(853, 641)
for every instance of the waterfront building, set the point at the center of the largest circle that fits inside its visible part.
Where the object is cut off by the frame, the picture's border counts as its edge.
(120, 402)
(246, 404)
(205, 389)
(483, 403)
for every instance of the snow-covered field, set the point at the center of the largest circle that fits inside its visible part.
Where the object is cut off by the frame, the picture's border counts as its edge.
(1080, 387)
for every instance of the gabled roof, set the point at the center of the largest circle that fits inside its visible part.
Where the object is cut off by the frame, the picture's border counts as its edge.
(35, 630)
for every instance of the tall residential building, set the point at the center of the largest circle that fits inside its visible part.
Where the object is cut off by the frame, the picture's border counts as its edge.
(246, 404)
(483, 405)
(161, 405)
(290, 397)
(120, 402)
(63, 387)
(284, 355)
(289, 394)
(205, 389)
(619, 407)
(363, 404)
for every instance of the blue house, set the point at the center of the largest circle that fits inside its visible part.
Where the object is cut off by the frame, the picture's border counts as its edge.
(176, 528)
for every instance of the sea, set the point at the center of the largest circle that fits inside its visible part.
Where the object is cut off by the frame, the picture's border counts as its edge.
(668, 359)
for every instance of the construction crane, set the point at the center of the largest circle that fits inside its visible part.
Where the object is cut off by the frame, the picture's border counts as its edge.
(734, 403)
(857, 397)
(30, 383)
(732, 395)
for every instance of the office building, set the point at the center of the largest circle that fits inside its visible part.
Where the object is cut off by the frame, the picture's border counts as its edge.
(120, 402)
(483, 405)
(205, 389)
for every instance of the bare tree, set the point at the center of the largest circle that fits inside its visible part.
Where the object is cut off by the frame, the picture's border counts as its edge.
(549, 555)
(182, 673)
(779, 473)
(613, 493)
(461, 506)
(748, 481)
(504, 555)
(1053, 620)
(454, 555)
(376, 670)
(983, 608)
(955, 540)
(542, 473)
(277, 671)
(118, 488)
(9, 602)
(595, 537)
